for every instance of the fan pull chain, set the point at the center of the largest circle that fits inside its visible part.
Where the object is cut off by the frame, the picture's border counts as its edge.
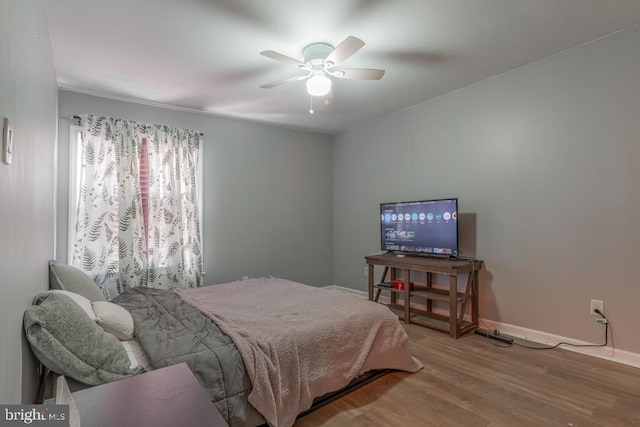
(311, 105)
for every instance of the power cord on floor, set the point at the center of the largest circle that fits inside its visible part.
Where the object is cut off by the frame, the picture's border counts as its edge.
(551, 347)
(606, 338)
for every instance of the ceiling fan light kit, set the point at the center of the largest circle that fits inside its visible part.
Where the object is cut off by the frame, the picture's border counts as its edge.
(318, 85)
(319, 62)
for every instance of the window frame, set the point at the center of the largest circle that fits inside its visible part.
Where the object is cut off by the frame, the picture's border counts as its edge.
(75, 135)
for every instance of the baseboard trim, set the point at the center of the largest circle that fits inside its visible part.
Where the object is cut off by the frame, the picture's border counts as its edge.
(607, 353)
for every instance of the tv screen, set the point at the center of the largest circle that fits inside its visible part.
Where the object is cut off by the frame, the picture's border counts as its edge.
(426, 227)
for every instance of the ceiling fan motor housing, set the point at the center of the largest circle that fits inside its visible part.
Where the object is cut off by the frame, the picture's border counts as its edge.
(315, 53)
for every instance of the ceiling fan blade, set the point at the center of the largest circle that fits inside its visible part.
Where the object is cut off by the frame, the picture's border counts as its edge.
(283, 58)
(283, 81)
(348, 47)
(359, 74)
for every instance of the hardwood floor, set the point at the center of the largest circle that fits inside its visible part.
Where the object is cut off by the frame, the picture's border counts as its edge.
(473, 382)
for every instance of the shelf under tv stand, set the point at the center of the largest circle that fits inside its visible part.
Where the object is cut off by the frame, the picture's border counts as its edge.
(460, 302)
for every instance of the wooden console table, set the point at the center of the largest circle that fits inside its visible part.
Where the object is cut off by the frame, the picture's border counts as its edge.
(459, 302)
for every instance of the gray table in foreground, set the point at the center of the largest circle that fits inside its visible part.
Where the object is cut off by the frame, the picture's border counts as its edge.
(169, 397)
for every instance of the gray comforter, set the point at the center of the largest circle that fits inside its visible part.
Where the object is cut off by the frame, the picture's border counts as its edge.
(171, 331)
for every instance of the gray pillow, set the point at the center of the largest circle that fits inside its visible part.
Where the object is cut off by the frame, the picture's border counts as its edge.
(69, 278)
(67, 341)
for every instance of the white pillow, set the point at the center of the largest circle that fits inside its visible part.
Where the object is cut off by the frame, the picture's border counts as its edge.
(83, 302)
(136, 354)
(113, 319)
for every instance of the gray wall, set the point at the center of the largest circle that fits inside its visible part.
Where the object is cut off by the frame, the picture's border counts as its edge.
(267, 192)
(28, 97)
(544, 160)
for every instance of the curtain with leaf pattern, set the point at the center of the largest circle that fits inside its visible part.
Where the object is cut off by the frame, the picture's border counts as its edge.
(112, 243)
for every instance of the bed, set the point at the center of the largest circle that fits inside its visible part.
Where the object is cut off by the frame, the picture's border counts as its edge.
(263, 349)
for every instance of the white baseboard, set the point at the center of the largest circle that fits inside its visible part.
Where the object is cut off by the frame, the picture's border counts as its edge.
(608, 353)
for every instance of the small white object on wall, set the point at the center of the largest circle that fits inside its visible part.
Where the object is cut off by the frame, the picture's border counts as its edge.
(7, 141)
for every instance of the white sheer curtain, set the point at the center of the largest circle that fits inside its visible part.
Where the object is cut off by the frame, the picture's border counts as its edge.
(111, 241)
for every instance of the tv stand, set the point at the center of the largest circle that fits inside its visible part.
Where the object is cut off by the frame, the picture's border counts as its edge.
(459, 301)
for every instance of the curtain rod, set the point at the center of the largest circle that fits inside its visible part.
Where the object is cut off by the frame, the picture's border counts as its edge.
(76, 120)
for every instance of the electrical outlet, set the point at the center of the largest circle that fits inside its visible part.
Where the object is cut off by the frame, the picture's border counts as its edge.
(596, 304)
(366, 271)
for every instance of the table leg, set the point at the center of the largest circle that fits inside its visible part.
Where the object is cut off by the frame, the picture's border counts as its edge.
(475, 299)
(370, 282)
(407, 299)
(453, 305)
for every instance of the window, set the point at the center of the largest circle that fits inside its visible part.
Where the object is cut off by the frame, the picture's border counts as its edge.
(144, 187)
(135, 209)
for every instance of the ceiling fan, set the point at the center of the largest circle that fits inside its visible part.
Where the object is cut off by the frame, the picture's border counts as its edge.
(320, 60)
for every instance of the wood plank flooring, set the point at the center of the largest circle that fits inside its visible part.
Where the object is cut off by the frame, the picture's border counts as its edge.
(473, 382)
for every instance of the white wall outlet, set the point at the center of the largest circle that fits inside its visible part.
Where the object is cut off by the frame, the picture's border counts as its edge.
(366, 271)
(596, 304)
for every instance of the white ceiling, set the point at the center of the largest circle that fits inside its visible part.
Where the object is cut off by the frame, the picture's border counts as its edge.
(204, 55)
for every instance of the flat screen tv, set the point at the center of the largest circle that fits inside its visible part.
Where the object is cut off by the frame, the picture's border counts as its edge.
(425, 227)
